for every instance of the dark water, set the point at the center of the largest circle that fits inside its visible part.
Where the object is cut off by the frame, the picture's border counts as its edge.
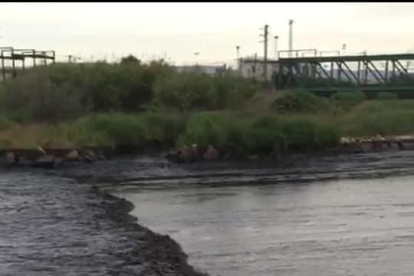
(282, 227)
(55, 226)
(345, 215)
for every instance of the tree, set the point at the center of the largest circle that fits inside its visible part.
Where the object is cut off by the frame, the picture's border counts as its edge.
(130, 59)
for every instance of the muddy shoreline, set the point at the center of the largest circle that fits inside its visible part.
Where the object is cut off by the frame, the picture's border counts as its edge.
(158, 254)
(104, 236)
(58, 157)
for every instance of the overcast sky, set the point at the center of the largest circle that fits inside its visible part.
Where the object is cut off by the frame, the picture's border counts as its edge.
(178, 30)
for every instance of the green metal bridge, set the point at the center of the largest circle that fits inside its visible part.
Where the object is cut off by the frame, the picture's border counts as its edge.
(367, 73)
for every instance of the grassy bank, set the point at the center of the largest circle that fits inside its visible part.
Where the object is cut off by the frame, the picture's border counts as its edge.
(151, 106)
(233, 132)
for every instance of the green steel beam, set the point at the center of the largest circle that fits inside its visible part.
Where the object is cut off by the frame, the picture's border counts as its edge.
(343, 71)
(349, 58)
(377, 71)
(352, 73)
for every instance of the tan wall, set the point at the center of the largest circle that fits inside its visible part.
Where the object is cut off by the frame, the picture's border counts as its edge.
(247, 71)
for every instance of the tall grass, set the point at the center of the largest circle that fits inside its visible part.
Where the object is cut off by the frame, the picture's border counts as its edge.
(261, 135)
(299, 101)
(231, 132)
(384, 117)
(67, 91)
(191, 91)
(347, 100)
(114, 129)
(387, 96)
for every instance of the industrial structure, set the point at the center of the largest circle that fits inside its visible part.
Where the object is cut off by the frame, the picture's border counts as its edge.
(365, 72)
(254, 67)
(212, 70)
(313, 70)
(14, 60)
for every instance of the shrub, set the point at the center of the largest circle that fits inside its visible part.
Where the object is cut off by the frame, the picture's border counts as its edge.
(113, 129)
(192, 91)
(299, 101)
(5, 123)
(387, 96)
(303, 134)
(267, 135)
(35, 97)
(130, 59)
(66, 91)
(347, 100)
(120, 128)
(262, 136)
(162, 128)
(391, 122)
(184, 91)
(206, 128)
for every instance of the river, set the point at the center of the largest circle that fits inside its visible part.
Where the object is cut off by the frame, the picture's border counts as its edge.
(339, 215)
(345, 226)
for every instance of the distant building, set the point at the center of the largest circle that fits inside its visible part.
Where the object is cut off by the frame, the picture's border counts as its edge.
(254, 68)
(206, 69)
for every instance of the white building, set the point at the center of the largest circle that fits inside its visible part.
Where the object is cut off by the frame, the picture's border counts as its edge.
(206, 69)
(254, 68)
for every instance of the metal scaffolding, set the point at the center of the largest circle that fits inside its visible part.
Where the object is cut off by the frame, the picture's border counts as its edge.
(17, 60)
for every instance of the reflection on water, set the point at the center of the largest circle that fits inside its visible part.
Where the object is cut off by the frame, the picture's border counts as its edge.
(347, 227)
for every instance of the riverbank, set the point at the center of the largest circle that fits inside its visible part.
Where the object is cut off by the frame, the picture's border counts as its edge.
(131, 106)
(156, 254)
(61, 157)
(151, 253)
(54, 224)
(233, 134)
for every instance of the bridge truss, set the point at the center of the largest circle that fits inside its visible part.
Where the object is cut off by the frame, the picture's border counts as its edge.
(363, 72)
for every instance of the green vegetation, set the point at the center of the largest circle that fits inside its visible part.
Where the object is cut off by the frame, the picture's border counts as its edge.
(188, 91)
(112, 129)
(299, 101)
(348, 100)
(152, 106)
(387, 96)
(240, 135)
(68, 91)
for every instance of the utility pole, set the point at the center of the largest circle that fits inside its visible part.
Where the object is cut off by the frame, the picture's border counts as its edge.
(276, 38)
(265, 36)
(196, 55)
(343, 48)
(254, 66)
(238, 59)
(266, 33)
(290, 37)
